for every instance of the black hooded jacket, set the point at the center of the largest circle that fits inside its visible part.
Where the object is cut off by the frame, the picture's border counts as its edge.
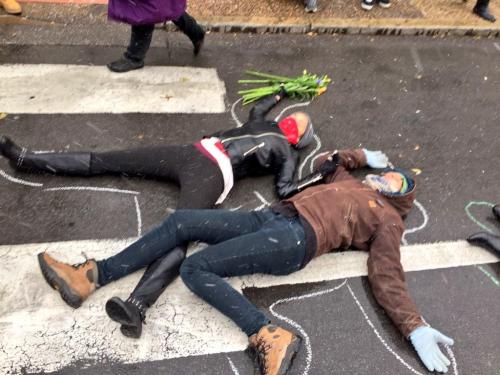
(260, 147)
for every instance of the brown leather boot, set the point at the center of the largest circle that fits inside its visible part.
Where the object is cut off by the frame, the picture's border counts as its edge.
(275, 349)
(11, 6)
(75, 283)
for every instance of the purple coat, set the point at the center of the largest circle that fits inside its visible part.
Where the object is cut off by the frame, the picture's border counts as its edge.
(145, 12)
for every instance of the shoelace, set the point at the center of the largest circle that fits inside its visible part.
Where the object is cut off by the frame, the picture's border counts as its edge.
(262, 351)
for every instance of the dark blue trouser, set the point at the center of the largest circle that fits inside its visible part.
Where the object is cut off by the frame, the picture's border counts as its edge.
(242, 243)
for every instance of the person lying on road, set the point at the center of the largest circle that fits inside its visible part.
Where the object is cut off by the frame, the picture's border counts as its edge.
(330, 210)
(204, 170)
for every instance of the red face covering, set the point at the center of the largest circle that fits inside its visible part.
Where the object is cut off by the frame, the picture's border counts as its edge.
(289, 128)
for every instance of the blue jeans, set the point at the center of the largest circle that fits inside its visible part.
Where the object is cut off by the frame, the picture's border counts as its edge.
(241, 243)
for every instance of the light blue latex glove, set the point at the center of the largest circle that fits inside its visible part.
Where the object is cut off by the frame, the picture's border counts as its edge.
(425, 341)
(376, 159)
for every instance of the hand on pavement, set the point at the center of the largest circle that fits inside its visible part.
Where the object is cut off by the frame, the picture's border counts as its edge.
(376, 159)
(425, 340)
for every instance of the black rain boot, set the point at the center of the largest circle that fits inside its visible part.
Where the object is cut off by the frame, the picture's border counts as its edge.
(69, 163)
(190, 27)
(481, 9)
(132, 313)
(486, 240)
(133, 58)
(496, 211)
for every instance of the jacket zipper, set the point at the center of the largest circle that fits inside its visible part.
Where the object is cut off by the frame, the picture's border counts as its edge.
(252, 136)
(254, 148)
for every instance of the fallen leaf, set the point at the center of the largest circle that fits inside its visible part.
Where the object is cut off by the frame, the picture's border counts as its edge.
(140, 136)
(168, 97)
(417, 147)
(3, 115)
(417, 171)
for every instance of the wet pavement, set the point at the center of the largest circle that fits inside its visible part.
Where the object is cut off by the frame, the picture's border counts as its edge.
(430, 104)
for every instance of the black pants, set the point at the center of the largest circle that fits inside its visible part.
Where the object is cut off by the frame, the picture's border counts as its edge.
(141, 36)
(200, 180)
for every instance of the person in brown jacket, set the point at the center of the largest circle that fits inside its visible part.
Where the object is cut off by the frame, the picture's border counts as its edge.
(330, 210)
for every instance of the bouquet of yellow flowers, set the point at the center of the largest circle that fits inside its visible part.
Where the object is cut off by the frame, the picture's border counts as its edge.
(305, 86)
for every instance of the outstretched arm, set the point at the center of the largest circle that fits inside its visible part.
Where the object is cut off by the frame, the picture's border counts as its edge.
(388, 283)
(387, 278)
(264, 106)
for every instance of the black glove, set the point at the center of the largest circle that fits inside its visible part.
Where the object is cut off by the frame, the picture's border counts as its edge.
(330, 165)
(282, 92)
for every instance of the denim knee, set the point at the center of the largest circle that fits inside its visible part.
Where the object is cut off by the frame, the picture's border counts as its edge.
(188, 268)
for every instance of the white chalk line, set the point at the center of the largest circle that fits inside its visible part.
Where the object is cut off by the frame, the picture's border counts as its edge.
(261, 198)
(420, 227)
(233, 367)
(92, 188)
(298, 327)
(291, 107)
(316, 149)
(239, 124)
(311, 166)
(18, 180)
(379, 336)
(139, 217)
(497, 46)
(416, 59)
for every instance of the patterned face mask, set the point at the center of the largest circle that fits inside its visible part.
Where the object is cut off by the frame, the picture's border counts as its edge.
(379, 183)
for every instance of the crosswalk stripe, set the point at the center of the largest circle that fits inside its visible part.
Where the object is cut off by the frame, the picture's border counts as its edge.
(32, 315)
(47, 88)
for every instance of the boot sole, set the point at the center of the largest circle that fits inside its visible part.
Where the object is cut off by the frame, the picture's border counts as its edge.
(130, 331)
(291, 353)
(116, 310)
(57, 283)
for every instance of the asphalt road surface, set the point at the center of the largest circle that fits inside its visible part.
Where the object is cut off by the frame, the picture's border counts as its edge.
(430, 104)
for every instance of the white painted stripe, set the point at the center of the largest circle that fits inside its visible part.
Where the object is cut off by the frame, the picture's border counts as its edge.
(32, 316)
(44, 88)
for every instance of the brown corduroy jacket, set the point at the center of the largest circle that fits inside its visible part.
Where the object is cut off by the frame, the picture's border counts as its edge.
(345, 213)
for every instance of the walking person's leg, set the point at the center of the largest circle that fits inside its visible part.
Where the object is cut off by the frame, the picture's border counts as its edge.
(188, 25)
(133, 58)
(201, 184)
(278, 249)
(75, 283)
(482, 10)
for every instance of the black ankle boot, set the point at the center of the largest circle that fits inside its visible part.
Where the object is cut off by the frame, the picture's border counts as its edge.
(9, 149)
(190, 27)
(484, 13)
(130, 314)
(69, 163)
(496, 211)
(486, 240)
(123, 65)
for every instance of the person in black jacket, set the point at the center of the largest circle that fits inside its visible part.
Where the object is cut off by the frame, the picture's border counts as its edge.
(205, 172)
